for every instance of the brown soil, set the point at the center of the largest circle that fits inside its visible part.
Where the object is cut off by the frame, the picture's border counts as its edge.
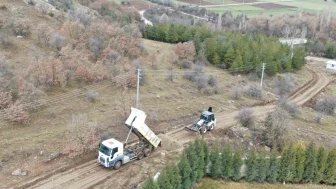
(271, 6)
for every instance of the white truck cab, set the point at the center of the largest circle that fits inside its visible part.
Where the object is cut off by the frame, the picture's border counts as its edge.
(113, 153)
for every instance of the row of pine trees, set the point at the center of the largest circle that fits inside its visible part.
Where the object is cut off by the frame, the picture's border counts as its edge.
(296, 164)
(236, 51)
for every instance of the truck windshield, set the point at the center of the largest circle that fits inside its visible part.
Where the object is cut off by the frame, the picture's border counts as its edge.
(105, 150)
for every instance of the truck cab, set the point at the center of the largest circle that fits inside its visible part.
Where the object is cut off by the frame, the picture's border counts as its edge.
(111, 151)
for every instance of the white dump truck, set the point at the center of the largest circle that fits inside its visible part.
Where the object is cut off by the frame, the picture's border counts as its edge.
(113, 153)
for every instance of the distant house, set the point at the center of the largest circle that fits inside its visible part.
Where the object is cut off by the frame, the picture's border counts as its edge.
(294, 41)
(331, 64)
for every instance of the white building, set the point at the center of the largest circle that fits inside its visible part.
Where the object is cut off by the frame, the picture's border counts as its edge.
(331, 64)
(293, 41)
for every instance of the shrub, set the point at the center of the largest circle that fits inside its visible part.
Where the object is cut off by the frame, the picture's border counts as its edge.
(21, 27)
(254, 91)
(284, 84)
(92, 95)
(319, 117)
(16, 113)
(186, 64)
(31, 2)
(253, 76)
(290, 107)
(76, 143)
(245, 117)
(213, 81)
(5, 100)
(201, 81)
(236, 93)
(5, 41)
(326, 104)
(57, 41)
(171, 76)
(95, 46)
(51, 14)
(276, 129)
(62, 4)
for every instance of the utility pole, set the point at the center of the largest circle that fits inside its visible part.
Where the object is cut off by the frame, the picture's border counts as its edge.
(138, 85)
(262, 74)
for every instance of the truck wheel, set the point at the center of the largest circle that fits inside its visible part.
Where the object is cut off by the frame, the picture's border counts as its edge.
(203, 130)
(147, 152)
(140, 155)
(211, 127)
(117, 165)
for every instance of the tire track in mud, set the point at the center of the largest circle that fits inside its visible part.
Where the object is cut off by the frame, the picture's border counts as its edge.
(92, 175)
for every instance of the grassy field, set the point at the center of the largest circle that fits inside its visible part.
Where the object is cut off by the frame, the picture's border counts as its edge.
(207, 183)
(312, 6)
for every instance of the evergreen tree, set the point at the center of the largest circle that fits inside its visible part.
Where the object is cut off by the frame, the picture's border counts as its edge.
(272, 172)
(251, 165)
(331, 50)
(310, 163)
(226, 165)
(193, 161)
(287, 164)
(185, 171)
(206, 155)
(216, 59)
(229, 57)
(150, 184)
(321, 158)
(200, 164)
(329, 175)
(237, 64)
(300, 153)
(174, 176)
(237, 163)
(164, 180)
(288, 65)
(172, 35)
(197, 41)
(215, 162)
(298, 58)
(263, 164)
(211, 49)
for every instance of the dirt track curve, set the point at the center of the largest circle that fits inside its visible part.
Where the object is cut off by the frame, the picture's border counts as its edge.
(92, 175)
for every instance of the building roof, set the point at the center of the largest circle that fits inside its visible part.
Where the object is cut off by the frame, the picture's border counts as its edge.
(331, 62)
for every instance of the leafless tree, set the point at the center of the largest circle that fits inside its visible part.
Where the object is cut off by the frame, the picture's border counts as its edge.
(284, 84)
(326, 104)
(246, 118)
(236, 93)
(57, 41)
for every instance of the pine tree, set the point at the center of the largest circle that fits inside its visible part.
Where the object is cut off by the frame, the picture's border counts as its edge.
(329, 175)
(172, 36)
(216, 59)
(288, 65)
(226, 165)
(174, 176)
(197, 41)
(263, 164)
(200, 164)
(321, 158)
(229, 56)
(310, 163)
(287, 164)
(164, 179)
(150, 184)
(272, 172)
(193, 161)
(215, 162)
(251, 165)
(185, 171)
(300, 153)
(237, 163)
(206, 155)
(237, 63)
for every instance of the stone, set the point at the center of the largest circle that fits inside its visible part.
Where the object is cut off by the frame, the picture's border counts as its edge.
(267, 149)
(41, 153)
(19, 37)
(250, 143)
(17, 172)
(163, 154)
(24, 173)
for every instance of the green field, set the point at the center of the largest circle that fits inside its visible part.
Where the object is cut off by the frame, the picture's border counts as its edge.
(312, 6)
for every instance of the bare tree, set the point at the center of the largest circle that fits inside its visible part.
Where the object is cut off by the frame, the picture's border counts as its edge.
(245, 117)
(284, 84)
(57, 41)
(276, 129)
(236, 93)
(326, 104)
(254, 91)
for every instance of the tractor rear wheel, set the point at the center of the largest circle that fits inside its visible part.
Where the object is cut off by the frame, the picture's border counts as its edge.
(211, 127)
(203, 130)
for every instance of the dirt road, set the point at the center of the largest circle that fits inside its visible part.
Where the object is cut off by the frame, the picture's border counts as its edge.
(92, 175)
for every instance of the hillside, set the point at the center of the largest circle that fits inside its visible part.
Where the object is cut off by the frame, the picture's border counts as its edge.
(71, 77)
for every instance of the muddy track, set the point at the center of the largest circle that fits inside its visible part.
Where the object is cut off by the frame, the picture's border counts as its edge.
(92, 175)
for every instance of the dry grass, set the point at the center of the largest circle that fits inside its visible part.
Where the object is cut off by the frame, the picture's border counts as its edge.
(207, 183)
